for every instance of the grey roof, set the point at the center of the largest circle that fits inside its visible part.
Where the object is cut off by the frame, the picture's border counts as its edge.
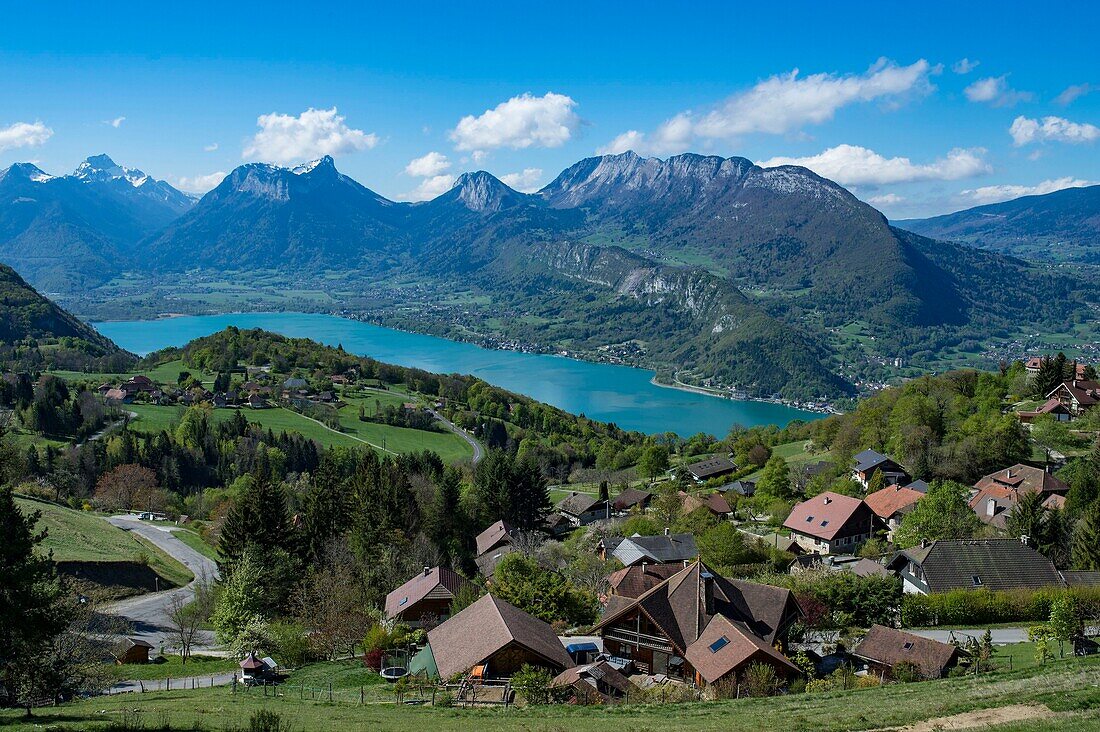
(918, 485)
(578, 503)
(993, 564)
(711, 467)
(740, 487)
(869, 459)
(660, 549)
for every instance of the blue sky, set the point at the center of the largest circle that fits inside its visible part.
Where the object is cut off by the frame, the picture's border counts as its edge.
(882, 99)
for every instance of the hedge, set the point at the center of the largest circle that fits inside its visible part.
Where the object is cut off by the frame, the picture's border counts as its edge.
(984, 607)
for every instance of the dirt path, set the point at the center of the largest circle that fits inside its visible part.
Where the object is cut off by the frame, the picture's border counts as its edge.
(980, 718)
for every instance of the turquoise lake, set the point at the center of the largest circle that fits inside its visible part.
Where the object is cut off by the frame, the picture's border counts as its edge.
(618, 394)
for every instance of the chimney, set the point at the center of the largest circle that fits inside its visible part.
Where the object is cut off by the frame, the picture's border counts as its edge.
(667, 532)
(828, 500)
(1025, 540)
(427, 571)
(990, 507)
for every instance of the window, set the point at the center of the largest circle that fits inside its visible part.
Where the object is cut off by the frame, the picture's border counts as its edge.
(719, 644)
(908, 646)
(403, 601)
(809, 519)
(976, 580)
(825, 522)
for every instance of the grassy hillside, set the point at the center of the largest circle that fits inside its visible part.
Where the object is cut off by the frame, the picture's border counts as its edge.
(1061, 695)
(74, 536)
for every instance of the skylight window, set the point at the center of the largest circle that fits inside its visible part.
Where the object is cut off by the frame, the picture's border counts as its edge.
(403, 601)
(825, 522)
(908, 646)
(809, 519)
(976, 580)
(719, 644)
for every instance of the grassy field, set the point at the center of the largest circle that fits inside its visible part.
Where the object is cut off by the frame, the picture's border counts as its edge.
(795, 453)
(193, 540)
(78, 536)
(174, 668)
(1066, 692)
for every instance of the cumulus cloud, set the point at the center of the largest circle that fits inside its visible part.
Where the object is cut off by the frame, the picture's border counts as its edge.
(1025, 130)
(429, 188)
(964, 66)
(116, 122)
(316, 132)
(201, 183)
(211, 147)
(885, 199)
(429, 165)
(996, 194)
(521, 122)
(782, 104)
(526, 181)
(855, 165)
(995, 91)
(23, 134)
(1071, 93)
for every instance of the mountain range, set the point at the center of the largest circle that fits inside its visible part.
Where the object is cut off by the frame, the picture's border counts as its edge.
(1062, 226)
(714, 265)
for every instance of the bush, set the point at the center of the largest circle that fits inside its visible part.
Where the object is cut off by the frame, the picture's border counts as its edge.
(533, 684)
(265, 720)
(289, 643)
(906, 672)
(984, 607)
(760, 679)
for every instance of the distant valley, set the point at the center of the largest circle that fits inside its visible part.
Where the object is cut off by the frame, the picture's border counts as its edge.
(711, 270)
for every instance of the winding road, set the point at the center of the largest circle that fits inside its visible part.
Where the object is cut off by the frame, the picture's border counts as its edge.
(479, 451)
(147, 613)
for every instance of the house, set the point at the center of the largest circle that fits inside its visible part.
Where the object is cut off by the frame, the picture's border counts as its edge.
(633, 582)
(665, 549)
(746, 488)
(831, 523)
(776, 541)
(1035, 363)
(884, 649)
(132, 650)
(892, 503)
(714, 467)
(118, 396)
(714, 502)
(631, 499)
(496, 535)
(426, 598)
(1077, 396)
(341, 380)
(591, 682)
(136, 384)
(293, 384)
(1052, 407)
(582, 509)
(492, 634)
(869, 462)
(996, 495)
(257, 670)
(971, 564)
(487, 562)
(220, 401)
(255, 401)
(682, 626)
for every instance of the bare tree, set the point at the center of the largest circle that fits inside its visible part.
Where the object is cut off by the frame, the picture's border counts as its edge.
(187, 617)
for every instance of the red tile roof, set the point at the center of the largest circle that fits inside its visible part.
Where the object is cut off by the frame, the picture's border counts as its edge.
(891, 499)
(823, 515)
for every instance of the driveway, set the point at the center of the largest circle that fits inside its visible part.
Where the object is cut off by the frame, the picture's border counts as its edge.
(146, 613)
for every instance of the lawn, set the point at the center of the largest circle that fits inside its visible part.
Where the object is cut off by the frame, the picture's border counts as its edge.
(172, 667)
(1068, 688)
(196, 542)
(795, 453)
(84, 537)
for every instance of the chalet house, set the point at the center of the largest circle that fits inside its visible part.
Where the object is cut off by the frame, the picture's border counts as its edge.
(255, 401)
(219, 401)
(714, 467)
(714, 502)
(1077, 396)
(892, 503)
(426, 598)
(996, 495)
(341, 380)
(665, 549)
(493, 544)
(631, 499)
(971, 564)
(599, 681)
(118, 396)
(1035, 363)
(883, 649)
(633, 582)
(582, 509)
(831, 523)
(495, 636)
(746, 488)
(132, 650)
(137, 384)
(870, 462)
(700, 628)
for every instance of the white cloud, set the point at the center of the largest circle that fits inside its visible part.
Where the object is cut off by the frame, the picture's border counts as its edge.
(526, 181)
(886, 199)
(116, 122)
(782, 104)
(315, 132)
(211, 147)
(23, 134)
(521, 122)
(629, 140)
(964, 66)
(1025, 130)
(1071, 93)
(996, 92)
(429, 188)
(427, 166)
(854, 165)
(201, 183)
(996, 194)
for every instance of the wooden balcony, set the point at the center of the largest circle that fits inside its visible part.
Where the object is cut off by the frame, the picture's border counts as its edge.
(634, 638)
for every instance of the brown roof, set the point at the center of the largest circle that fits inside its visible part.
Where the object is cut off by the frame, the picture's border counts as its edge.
(438, 582)
(487, 562)
(890, 647)
(1085, 393)
(579, 503)
(725, 646)
(711, 467)
(496, 534)
(891, 499)
(1005, 488)
(823, 515)
(594, 674)
(636, 580)
(714, 502)
(487, 626)
(631, 497)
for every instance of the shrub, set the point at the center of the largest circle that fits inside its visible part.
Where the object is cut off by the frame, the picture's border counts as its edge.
(533, 684)
(971, 607)
(446, 699)
(906, 672)
(265, 720)
(760, 679)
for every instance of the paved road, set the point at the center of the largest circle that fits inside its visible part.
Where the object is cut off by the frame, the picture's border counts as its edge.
(479, 451)
(147, 612)
(187, 682)
(1001, 636)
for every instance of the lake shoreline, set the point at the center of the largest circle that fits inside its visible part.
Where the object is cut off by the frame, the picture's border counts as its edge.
(715, 394)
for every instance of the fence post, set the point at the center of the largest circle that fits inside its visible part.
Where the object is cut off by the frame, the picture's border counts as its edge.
(141, 684)
(360, 696)
(330, 691)
(168, 684)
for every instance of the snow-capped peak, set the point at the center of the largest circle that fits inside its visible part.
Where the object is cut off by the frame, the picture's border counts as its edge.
(313, 165)
(101, 168)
